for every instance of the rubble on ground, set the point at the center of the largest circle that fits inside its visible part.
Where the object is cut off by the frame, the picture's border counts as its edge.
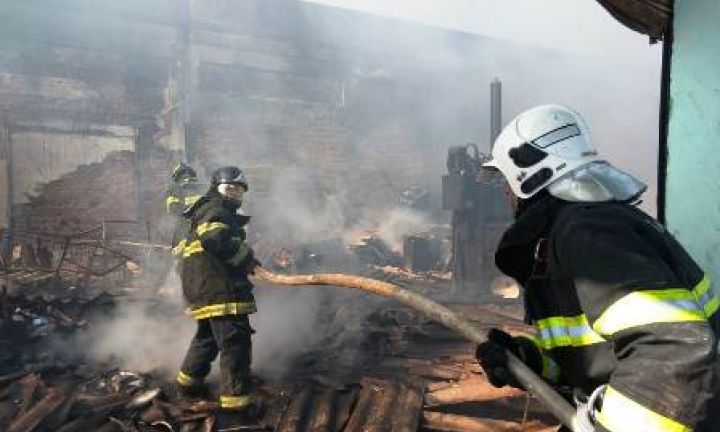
(390, 370)
(382, 368)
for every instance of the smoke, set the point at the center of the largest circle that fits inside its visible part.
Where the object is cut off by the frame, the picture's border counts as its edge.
(289, 323)
(141, 334)
(391, 226)
(337, 112)
(294, 211)
(560, 51)
(152, 334)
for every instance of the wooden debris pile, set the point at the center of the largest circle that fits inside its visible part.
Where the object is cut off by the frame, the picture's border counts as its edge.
(26, 322)
(373, 404)
(109, 401)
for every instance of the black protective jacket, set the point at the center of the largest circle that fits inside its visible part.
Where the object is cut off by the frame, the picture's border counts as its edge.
(179, 198)
(616, 300)
(215, 259)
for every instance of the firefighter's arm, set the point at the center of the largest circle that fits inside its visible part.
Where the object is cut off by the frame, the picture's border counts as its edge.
(538, 359)
(661, 339)
(174, 201)
(217, 238)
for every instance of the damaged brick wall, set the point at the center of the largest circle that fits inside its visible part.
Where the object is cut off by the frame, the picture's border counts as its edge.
(77, 80)
(271, 85)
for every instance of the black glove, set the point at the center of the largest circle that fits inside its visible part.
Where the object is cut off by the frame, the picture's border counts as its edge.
(254, 263)
(492, 357)
(251, 263)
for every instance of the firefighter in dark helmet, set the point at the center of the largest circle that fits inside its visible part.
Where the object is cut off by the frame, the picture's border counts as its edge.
(624, 316)
(216, 262)
(183, 191)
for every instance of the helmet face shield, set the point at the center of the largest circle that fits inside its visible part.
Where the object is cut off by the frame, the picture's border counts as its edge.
(598, 181)
(233, 192)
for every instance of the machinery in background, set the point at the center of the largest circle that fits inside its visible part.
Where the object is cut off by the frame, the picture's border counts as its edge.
(480, 211)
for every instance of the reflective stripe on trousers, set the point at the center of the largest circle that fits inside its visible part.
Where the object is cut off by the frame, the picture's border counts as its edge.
(222, 309)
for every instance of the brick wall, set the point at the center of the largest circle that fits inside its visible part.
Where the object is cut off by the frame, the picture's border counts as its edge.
(346, 103)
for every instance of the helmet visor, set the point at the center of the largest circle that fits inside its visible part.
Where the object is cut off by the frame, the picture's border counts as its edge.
(556, 135)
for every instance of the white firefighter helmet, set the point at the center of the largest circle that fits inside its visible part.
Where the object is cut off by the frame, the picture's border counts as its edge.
(549, 146)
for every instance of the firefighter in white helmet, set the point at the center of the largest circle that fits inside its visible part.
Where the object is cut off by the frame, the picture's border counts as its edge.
(624, 316)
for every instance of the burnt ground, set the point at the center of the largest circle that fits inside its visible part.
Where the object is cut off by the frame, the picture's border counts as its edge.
(403, 372)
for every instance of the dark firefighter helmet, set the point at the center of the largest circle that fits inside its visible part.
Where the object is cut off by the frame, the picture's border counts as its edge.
(183, 173)
(228, 175)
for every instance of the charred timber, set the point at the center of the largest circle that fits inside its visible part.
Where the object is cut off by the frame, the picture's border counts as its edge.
(528, 378)
(474, 391)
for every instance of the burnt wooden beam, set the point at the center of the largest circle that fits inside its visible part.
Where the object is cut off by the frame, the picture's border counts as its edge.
(28, 387)
(409, 412)
(385, 400)
(9, 378)
(457, 423)
(323, 419)
(61, 415)
(28, 421)
(344, 406)
(294, 417)
(472, 391)
(368, 390)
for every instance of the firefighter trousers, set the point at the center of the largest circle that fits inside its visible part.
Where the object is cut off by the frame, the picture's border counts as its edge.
(230, 336)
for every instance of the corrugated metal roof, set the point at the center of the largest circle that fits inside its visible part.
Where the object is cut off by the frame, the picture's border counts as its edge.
(650, 17)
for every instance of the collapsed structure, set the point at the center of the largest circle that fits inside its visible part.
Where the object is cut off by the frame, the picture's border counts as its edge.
(219, 81)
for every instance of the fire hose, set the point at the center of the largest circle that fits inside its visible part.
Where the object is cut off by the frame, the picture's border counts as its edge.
(534, 384)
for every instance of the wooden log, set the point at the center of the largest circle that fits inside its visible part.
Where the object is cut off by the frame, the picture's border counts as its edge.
(368, 390)
(294, 416)
(100, 409)
(409, 413)
(209, 424)
(322, 419)
(29, 386)
(473, 391)
(457, 423)
(440, 372)
(345, 404)
(545, 393)
(384, 403)
(9, 378)
(539, 427)
(60, 416)
(435, 386)
(32, 417)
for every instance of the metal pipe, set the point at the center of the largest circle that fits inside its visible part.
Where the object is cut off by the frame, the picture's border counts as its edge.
(495, 110)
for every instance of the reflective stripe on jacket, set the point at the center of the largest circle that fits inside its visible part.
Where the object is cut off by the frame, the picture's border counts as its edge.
(214, 260)
(617, 301)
